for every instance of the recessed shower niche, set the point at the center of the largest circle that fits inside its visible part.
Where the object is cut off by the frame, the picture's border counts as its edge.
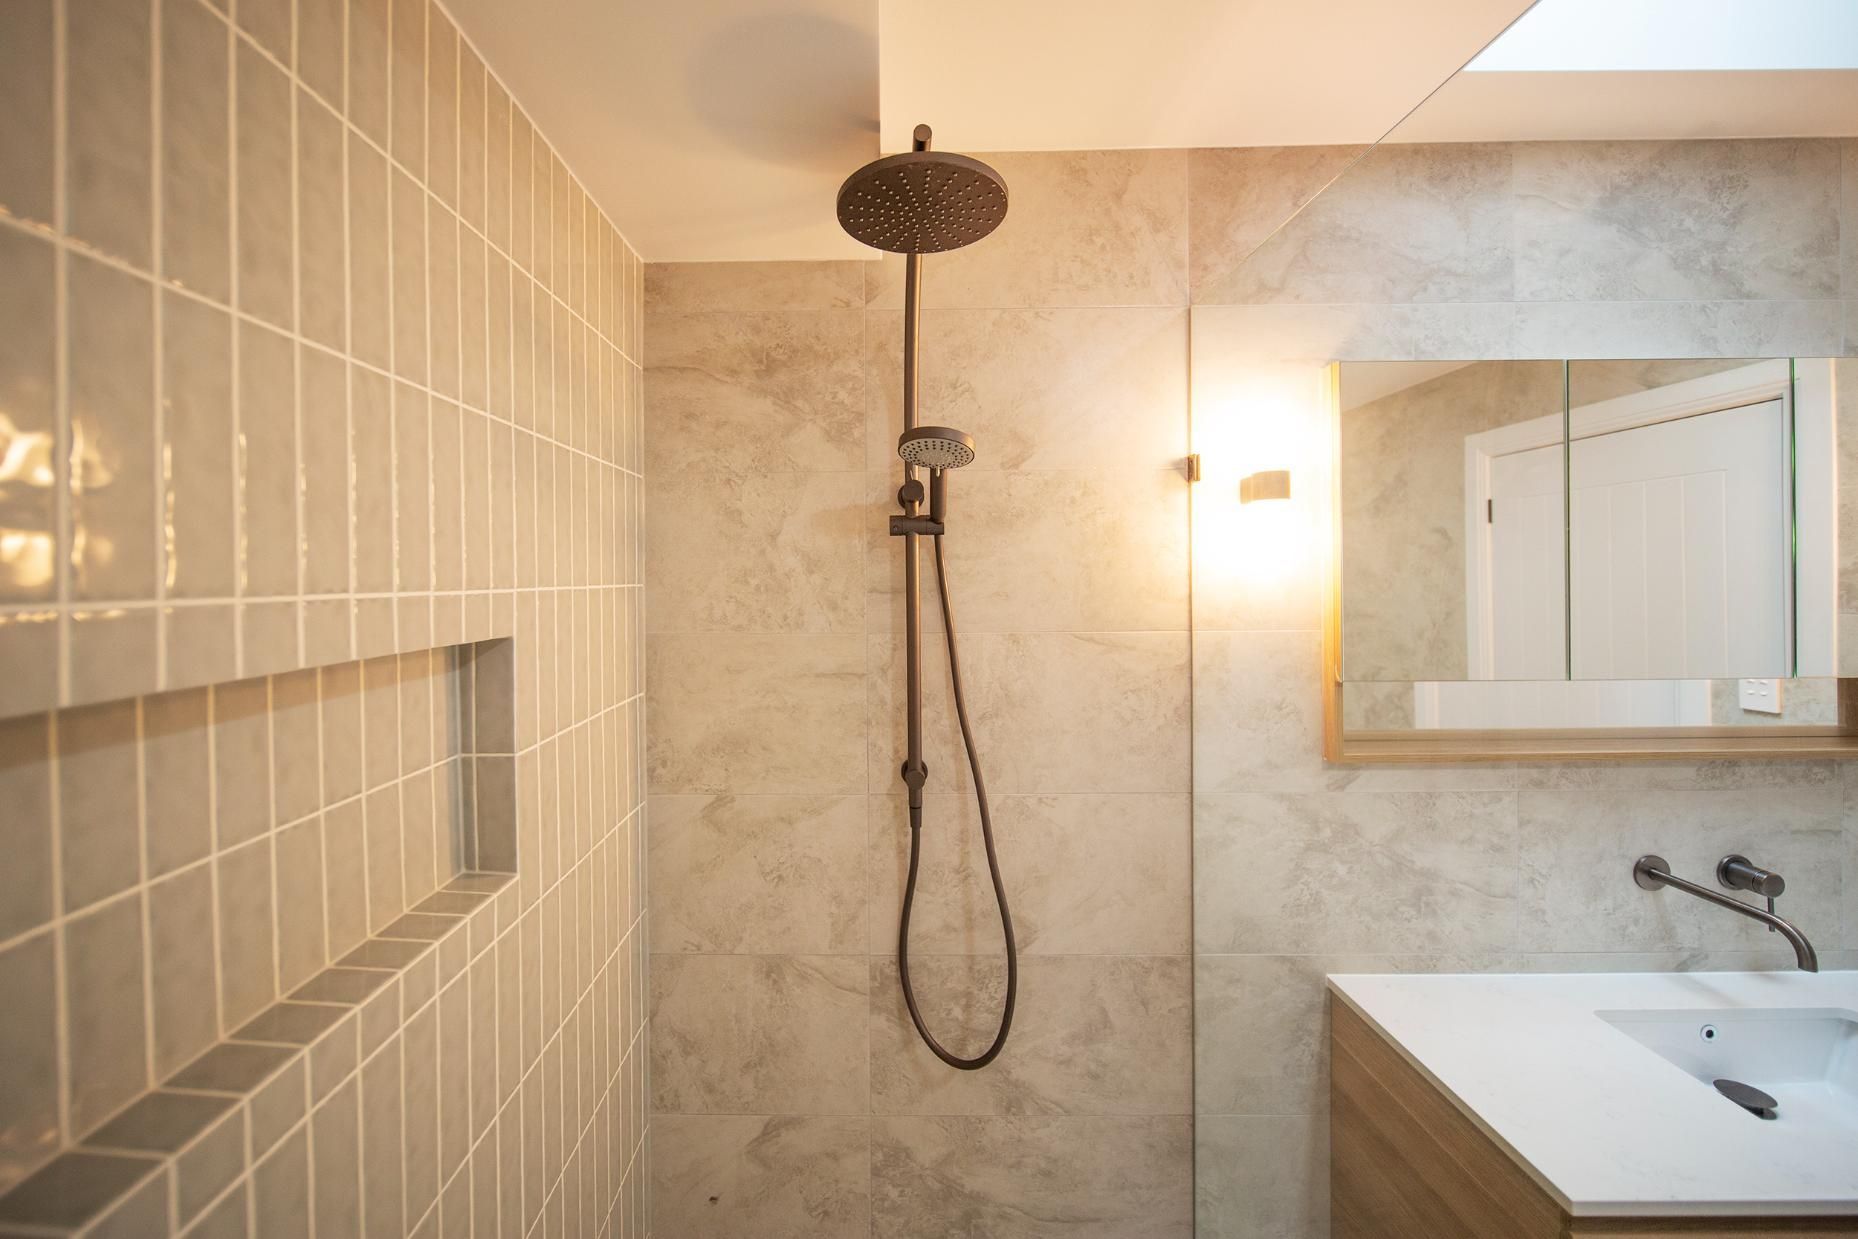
(302, 886)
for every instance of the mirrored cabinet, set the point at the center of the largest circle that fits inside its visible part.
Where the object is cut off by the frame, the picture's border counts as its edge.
(1551, 559)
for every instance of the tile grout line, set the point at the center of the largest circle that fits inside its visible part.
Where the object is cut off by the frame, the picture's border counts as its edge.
(143, 890)
(61, 336)
(158, 350)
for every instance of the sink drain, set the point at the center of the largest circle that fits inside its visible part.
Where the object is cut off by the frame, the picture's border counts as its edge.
(1749, 1098)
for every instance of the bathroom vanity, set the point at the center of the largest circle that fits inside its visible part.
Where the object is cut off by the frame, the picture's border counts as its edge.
(1585, 1105)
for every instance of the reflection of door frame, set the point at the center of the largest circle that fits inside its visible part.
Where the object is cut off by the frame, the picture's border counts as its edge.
(1807, 400)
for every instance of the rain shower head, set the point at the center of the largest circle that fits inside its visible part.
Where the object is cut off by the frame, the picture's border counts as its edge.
(936, 447)
(922, 201)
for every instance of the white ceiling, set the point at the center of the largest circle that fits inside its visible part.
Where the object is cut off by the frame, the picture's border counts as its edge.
(1540, 106)
(707, 129)
(1684, 35)
(721, 129)
(1029, 75)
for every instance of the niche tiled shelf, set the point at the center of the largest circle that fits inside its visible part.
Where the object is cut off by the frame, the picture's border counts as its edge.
(234, 1123)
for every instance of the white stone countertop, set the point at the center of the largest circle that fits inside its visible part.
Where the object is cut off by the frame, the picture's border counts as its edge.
(1604, 1124)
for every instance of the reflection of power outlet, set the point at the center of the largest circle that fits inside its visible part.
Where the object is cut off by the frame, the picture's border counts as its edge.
(1761, 696)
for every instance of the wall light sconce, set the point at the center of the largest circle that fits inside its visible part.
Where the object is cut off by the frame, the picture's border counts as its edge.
(1266, 484)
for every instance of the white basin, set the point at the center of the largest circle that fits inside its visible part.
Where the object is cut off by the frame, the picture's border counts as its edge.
(1805, 1057)
(1599, 1084)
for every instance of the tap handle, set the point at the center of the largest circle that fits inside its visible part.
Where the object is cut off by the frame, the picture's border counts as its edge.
(1737, 873)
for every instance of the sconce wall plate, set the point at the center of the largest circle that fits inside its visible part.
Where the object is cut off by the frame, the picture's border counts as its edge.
(1268, 484)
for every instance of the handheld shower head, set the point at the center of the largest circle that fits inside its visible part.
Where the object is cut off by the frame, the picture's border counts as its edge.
(936, 447)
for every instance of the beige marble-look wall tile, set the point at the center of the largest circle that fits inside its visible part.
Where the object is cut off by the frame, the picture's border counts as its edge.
(1848, 219)
(1261, 1032)
(1577, 847)
(758, 874)
(1434, 331)
(1636, 221)
(757, 552)
(1032, 1177)
(1085, 874)
(1082, 228)
(1052, 712)
(1237, 198)
(758, 1034)
(1081, 551)
(1413, 223)
(1813, 776)
(1849, 872)
(781, 1177)
(1077, 388)
(1132, 1053)
(1357, 871)
(725, 709)
(1258, 712)
(1677, 328)
(1268, 1177)
(754, 392)
(696, 287)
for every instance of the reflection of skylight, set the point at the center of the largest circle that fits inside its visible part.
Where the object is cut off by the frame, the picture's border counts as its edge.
(1684, 35)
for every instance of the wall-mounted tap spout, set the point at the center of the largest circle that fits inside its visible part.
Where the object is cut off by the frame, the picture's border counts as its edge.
(1652, 872)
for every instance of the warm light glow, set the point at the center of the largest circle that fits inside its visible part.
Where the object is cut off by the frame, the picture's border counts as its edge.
(1250, 420)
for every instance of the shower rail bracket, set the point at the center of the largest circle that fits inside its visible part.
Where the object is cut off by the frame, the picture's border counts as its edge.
(900, 526)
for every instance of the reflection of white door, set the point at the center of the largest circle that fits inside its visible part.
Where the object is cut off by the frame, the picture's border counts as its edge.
(1528, 610)
(1679, 548)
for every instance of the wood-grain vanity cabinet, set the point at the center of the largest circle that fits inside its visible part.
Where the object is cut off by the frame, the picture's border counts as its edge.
(1405, 1163)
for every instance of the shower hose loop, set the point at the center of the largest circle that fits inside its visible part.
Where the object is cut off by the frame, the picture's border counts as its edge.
(993, 864)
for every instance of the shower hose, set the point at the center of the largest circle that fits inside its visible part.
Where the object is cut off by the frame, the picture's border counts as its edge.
(993, 864)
